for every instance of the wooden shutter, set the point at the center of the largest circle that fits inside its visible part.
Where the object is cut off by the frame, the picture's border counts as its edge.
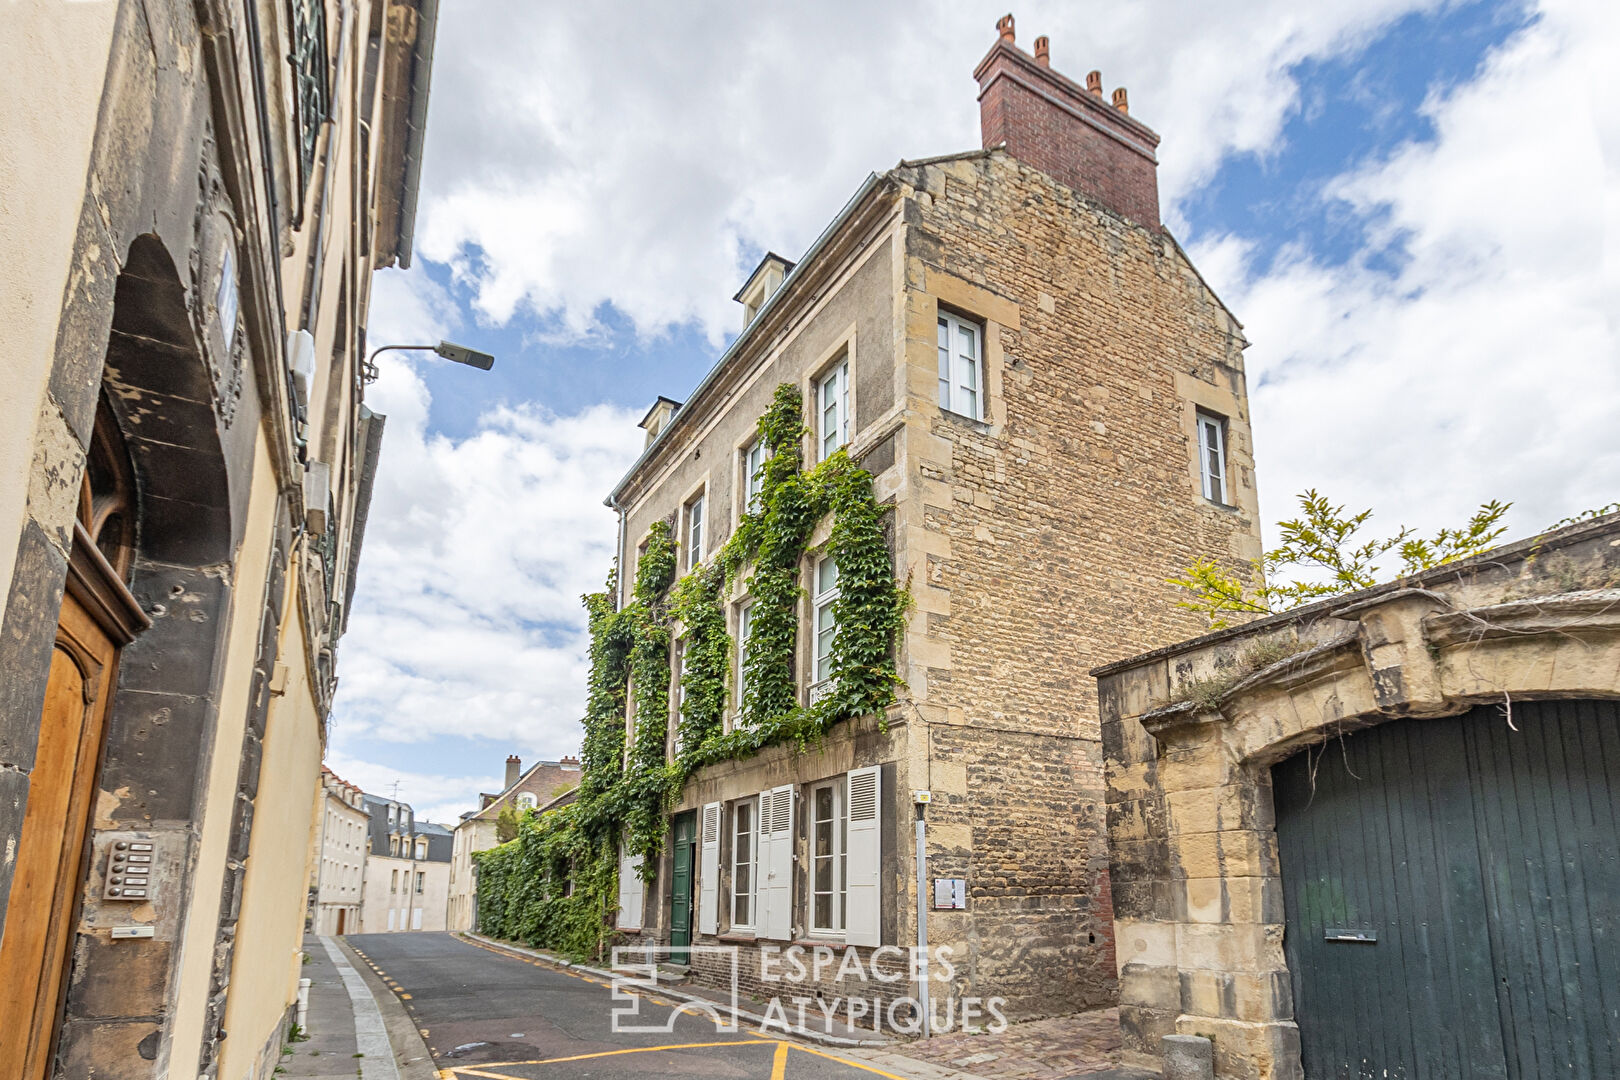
(631, 890)
(709, 871)
(778, 864)
(863, 925)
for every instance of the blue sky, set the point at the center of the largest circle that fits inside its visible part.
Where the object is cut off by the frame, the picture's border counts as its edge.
(1330, 170)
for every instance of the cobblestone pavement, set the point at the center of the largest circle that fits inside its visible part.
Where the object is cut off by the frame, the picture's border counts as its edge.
(1083, 1044)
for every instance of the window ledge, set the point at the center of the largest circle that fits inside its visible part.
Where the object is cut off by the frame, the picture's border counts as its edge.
(833, 939)
(974, 422)
(744, 936)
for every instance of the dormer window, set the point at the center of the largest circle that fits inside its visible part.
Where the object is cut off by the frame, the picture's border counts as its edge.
(762, 284)
(658, 417)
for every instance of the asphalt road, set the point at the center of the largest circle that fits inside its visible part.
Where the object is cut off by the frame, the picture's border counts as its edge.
(490, 1015)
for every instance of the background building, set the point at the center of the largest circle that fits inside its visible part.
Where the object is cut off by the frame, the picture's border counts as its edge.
(194, 198)
(407, 870)
(533, 790)
(339, 860)
(1051, 403)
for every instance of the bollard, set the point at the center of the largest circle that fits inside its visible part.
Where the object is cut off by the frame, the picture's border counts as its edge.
(1188, 1057)
(303, 1006)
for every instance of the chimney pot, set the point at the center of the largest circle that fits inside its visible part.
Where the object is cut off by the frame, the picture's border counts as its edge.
(1043, 51)
(1005, 26)
(1094, 83)
(1120, 101)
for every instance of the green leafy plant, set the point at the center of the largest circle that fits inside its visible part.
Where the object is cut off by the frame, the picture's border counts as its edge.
(554, 883)
(1325, 552)
(506, 823)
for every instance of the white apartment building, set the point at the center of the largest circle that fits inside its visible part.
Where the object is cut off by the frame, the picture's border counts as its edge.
(338, 865)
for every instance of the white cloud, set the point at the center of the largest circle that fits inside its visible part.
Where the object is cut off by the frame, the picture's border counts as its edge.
(622, 152)
(437, 798)
(1488, 365)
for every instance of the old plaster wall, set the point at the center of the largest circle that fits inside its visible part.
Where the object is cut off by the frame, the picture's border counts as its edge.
(56, 59)
(1197, 880)
(264, 973)
(1037, 540)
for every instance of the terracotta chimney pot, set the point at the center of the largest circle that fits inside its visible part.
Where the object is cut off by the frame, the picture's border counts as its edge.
(1043, 51)
(1094, 83)
(1005, 25)
(1120, 101)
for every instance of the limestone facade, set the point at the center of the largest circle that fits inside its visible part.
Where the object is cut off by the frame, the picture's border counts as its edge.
(1198, 888)
(194, 198)
(538, 788)
(1034, 530)
(339, 862)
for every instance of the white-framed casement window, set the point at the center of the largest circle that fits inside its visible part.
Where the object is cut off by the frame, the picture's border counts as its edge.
(695, 524)
(961, 366)
(753, 477)
(527, 800)
(744, 834)
(829, 842)
(1212, 457)
(745, 627)
(832, 409)
(825, 622)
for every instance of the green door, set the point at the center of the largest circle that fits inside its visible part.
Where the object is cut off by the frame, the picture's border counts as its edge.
(1452, 889)
(680, 885)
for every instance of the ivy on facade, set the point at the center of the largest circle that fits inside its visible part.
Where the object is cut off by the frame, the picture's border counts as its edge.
(555, 885)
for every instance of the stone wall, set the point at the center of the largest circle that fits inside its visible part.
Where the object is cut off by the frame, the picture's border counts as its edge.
(1198, 891)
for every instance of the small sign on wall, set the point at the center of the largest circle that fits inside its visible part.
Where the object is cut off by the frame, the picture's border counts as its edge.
(950, 894)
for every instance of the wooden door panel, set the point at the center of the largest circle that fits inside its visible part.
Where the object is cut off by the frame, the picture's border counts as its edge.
(41, 911)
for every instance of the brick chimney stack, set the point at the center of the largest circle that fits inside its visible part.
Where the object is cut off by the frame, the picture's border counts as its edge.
(569, 762)
(514, 769)
(1052, 123)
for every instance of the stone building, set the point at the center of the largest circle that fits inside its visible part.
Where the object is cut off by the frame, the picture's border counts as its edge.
(536, 789)
(407, 871)
(193, 199)
(1375, 836)
(338, 862)
(1052, 403)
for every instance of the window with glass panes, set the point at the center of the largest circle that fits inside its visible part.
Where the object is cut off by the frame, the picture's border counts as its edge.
(961, 368)
(745, 619)
(743, 850)
(826, 624)
(753, 481)
(828, 844)
(832, 397)
(1212, 456)
(694, 532)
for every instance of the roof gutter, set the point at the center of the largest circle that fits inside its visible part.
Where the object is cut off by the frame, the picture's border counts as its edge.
(866, 188)
(416, 129)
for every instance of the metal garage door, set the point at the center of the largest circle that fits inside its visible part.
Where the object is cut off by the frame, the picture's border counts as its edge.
(1453, 896)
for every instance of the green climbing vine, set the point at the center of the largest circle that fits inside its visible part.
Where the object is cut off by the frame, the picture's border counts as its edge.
(521, 885)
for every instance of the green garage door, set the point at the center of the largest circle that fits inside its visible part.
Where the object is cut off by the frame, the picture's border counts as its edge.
(1453, 896)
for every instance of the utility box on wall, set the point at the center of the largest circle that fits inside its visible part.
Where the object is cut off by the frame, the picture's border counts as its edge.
(950, 894)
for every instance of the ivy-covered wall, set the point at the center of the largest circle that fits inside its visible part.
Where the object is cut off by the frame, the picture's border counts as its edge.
(555, 886)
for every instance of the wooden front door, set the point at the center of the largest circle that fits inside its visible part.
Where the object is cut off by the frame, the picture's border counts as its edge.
(680, 882)
(42, 909)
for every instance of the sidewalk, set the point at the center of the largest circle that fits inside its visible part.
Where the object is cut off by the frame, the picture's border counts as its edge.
(348, 1035)
(1081, 1045)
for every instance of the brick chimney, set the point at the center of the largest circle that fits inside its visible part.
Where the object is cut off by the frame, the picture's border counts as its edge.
(1052, 123)
(569, 762)
(514, 769)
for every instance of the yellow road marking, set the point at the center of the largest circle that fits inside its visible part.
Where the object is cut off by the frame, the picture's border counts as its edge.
(617, 1053)
(779, 1062)
(405, 997)
(846, 1061)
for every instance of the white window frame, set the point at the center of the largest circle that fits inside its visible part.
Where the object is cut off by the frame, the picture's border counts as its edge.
(695, 515)
(1212, 469)
(753, 484)
(824, 623)
(526, 800)
(961, 375)
(837, 858)
(832, 410)
(745, 855)
(745, 629)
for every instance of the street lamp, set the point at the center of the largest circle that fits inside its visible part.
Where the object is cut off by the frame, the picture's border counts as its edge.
(458, 354)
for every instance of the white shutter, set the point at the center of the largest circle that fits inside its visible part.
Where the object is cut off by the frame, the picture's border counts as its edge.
(777, 919)
(864, 924)
(709, 872)
(391, 916)
(631, 888)
(416, 918)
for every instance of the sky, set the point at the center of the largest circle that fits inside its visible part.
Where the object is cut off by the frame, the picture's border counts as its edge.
(1413, 207)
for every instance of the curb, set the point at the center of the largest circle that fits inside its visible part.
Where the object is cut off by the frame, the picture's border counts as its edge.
(742, 1015)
